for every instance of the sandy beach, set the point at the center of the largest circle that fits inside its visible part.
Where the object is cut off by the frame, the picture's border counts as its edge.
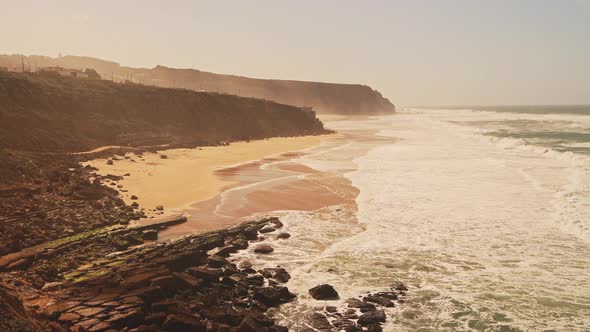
(187, 176)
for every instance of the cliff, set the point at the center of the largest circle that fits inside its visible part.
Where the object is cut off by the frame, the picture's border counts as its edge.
(351, 99)
(59, 114)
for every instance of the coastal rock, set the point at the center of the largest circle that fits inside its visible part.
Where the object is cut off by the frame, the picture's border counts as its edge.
(320, 322)
(267, 229)
(270, 296)
(150, 235)
(263, 249)
(380, 300)
(183, 323)
(206, 273)
(279, 274)
(216, 261)
(324, 292)
(372, 317)
(245, 265)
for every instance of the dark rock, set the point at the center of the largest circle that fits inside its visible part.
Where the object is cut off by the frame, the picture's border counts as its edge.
(156, 318)
(109, 162)
(250, 324)
(320, 322)
(163, 156)
(363, 306)
(206, 273)
(245, 265)
(277, 223)
(399, 286)
(250, 233)
(372, 317)
(160, 207)
(131, 318)
(240, 244)
(324, 292)
(216, 261)
(256, 280)
(382, 301)
(164, 306)
(181, 261)
(263, 249)
(269, 296)
(150, 235)
(267, 229)
(133, 197)
(188, 280)
(169, 283)
(279, 274)
(283, 236)
(183, 323)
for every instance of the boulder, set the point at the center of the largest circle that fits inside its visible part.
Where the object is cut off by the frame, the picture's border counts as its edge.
(371, 317)
(263, 249)
(269, 296)
(279, 274)
(324, 292)
(267, 229)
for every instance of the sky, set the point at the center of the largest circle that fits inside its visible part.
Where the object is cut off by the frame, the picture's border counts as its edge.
(415, 52)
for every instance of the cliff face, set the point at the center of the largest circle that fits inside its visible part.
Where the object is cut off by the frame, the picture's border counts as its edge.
(57, 114)
(323, 97)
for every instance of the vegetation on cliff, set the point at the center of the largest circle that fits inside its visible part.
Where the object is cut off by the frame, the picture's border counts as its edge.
(59, 114)
(351, 99)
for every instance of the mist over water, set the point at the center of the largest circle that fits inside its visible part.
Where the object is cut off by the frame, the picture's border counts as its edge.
(489, 232)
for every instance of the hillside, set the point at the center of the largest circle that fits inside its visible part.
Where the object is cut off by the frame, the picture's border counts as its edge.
(353, 99)
(57, 114)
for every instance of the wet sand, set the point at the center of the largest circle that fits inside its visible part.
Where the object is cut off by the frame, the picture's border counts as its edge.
(187, 176)
(220, 186)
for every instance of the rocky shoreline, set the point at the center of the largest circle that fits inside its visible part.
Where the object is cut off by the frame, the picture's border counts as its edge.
(72, 258)
(181, 285)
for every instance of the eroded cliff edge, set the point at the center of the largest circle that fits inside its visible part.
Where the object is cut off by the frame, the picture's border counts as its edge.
(60, 114)
(349, 99)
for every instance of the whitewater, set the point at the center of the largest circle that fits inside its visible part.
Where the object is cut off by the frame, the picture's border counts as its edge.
(490, 231)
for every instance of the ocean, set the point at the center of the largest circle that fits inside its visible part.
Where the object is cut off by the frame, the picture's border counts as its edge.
(484, 213)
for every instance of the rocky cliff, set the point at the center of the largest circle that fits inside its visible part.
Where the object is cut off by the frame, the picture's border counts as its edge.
(59, 114)
(323, 97)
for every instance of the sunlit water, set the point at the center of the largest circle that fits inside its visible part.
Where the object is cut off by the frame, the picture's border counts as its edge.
(489, 230)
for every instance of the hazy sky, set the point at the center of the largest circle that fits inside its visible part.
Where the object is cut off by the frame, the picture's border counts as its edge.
(436, 52)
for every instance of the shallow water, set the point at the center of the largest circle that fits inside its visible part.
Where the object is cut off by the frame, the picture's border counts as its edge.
(489, 234)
